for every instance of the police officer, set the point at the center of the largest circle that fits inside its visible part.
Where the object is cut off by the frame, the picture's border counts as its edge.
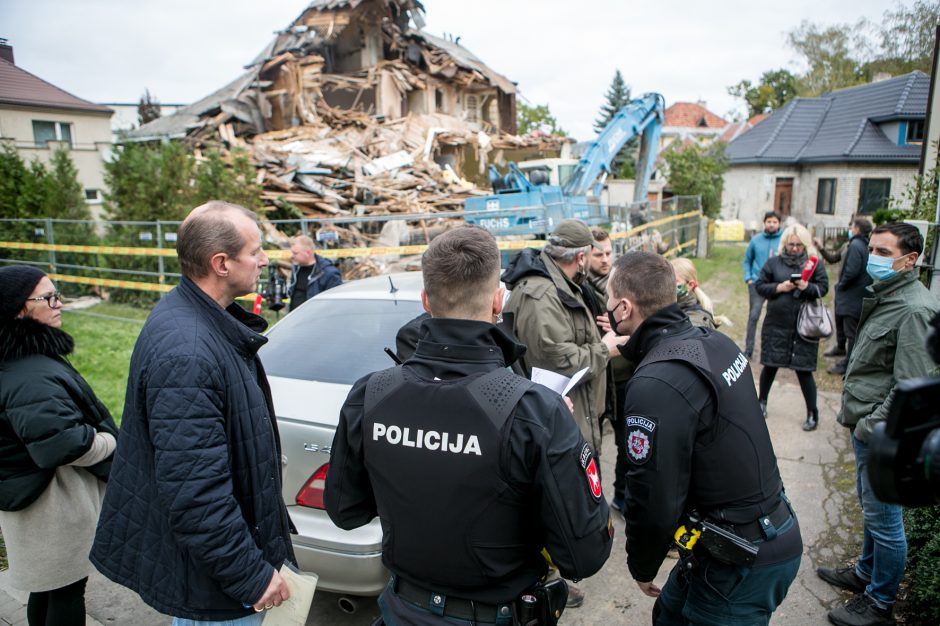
(698, 448)
(472, 469)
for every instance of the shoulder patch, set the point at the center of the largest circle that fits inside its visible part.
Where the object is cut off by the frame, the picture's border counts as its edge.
(641, 438)
(589, 466)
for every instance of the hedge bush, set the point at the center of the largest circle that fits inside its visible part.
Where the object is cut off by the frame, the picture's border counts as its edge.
(923, 565)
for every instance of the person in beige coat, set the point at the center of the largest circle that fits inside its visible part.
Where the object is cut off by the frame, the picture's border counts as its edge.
(56, 442)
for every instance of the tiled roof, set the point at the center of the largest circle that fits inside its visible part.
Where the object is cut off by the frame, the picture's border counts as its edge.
(839, 126)
(691, 115)
(17, 86)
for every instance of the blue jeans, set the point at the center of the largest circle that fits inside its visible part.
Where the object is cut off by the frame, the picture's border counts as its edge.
(884, 547)
(249, 620)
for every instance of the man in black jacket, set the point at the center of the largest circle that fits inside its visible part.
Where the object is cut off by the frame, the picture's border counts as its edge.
(310, 273)
(472, 469)
(193, 519)
(692, 421)
(851, 288)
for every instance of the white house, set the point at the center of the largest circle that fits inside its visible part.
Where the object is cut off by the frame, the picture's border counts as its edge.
(825, 159)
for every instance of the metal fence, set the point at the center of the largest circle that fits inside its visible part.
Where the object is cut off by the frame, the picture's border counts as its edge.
(140, 256)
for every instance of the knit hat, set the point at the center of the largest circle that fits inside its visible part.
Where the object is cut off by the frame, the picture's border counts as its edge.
(16, 285)
(572, 234)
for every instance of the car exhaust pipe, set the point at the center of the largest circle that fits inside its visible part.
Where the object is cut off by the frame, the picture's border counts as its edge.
(347, 605)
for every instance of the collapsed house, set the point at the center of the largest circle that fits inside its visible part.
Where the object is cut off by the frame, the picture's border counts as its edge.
(355, 110)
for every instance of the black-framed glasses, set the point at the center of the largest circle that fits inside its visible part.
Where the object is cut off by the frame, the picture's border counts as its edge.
(52, 300)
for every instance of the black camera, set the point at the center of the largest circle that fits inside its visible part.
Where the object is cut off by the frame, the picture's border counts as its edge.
(275, 290)
(904, 463)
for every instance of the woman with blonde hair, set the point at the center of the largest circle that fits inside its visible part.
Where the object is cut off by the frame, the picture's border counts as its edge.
(691, 299)
(781, 345)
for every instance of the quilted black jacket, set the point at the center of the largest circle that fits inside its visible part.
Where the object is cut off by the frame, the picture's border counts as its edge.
(193, 519)
(48, 413)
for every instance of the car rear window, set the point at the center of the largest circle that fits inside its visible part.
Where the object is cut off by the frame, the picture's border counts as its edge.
(336, 341)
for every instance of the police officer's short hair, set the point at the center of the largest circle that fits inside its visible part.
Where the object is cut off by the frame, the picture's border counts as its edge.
(303, 241)
(461, 271)
(646, 279)
(208, 230)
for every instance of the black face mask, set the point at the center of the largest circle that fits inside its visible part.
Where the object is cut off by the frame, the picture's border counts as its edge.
(613, 321)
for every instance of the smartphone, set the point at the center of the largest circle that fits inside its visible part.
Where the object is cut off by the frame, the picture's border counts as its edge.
(795, 277)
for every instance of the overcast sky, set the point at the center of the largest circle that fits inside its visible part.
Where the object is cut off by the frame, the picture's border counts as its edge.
(560, 52)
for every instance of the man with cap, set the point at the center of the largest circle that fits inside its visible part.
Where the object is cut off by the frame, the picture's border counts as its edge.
(552, 319)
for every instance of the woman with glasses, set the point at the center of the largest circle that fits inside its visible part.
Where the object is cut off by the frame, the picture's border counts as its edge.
(781, 345)
(56, 442)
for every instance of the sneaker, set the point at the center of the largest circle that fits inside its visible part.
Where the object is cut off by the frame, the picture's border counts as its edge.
(861, 611)
(617, 504)
(575, 597)
(838, 369)
(763, 408)
(843, 577)
(834, 351)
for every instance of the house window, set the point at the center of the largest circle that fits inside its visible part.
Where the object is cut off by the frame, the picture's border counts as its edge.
(438, 100)
(92, 196)
(873, 194)
(826, 196)
(915, 131)
(44, 132)
(473, 109)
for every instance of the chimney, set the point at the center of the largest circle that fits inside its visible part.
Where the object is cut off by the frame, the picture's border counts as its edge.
(6, 51)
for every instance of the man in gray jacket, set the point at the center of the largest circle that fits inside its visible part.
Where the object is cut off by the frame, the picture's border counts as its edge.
(891, 346)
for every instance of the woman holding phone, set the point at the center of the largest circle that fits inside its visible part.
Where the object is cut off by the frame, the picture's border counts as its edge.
(780, 282)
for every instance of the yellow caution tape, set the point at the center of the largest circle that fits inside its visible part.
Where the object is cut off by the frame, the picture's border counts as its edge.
(61, 247)
(108, 282)
(663, 220)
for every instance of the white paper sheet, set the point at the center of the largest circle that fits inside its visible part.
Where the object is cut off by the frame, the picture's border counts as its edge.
(294, 611)
(559, 383)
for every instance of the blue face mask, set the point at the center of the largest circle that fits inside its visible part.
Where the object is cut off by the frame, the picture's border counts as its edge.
(880, 267)
(850, 234)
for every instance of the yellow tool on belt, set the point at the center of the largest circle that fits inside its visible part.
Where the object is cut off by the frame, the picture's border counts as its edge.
(685, 538)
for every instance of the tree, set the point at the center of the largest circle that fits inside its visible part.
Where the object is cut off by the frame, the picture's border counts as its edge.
(775, 89)
(148, 109)
(907, 38)
(835, 55)
(617, 97)
(697, 171)
(64, 195)
(537, 118)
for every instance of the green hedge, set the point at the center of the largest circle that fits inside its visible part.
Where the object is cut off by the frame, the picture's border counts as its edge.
(923, 566)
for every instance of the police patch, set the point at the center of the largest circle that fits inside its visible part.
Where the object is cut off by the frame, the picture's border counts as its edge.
(589, 465)
(640, 439)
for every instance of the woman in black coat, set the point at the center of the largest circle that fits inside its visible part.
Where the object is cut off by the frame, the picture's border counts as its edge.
(56, 442)
(781, 344)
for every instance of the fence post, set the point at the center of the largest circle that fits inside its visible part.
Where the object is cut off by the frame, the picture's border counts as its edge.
(50, 238)
(160, 268)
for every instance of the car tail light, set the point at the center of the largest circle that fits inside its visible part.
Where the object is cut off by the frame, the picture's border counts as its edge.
(311, 494)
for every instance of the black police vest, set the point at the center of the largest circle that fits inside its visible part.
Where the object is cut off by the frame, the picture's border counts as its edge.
(432, 450)
(734, 468)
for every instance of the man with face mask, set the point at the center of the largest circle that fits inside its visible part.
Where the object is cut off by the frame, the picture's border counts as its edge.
(891, 346)
(558, 328)
(692, 421)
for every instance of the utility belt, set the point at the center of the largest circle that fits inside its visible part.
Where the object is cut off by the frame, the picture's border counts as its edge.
(733, 544)
(541, 605)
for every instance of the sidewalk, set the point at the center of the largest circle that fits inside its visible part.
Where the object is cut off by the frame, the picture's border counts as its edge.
(817, 471)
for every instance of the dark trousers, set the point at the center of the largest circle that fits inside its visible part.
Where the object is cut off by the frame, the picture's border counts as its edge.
(717, 594)
(64, 606)
(840, 331)
(849, 329)
(620, 434)
(756, 304)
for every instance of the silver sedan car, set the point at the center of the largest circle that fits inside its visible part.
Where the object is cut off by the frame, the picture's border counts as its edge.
(312, 358)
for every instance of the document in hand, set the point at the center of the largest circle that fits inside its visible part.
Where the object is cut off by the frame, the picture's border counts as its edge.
(294, 611)
(559, 383)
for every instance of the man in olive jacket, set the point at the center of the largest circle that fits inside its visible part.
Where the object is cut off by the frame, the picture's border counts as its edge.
(891, 347)
(557, 327)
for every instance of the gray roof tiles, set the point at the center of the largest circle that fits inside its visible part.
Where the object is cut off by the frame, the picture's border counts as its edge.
(839, 126)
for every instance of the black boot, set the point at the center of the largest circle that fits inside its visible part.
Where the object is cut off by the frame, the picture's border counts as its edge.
(812, 420)
(763, 408)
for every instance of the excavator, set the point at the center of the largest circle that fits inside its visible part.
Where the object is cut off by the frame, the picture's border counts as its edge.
(531, 206)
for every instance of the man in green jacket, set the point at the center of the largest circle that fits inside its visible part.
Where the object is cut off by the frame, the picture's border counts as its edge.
(891, 347)
(551, 318)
